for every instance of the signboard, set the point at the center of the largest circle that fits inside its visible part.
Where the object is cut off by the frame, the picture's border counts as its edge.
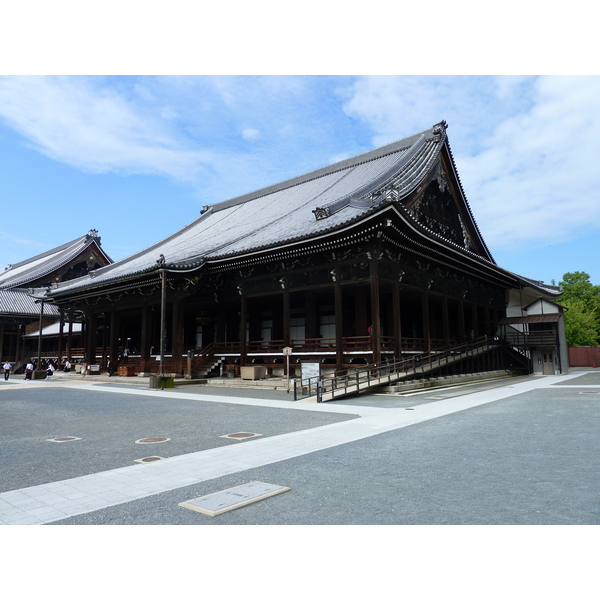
(310, 370)
(287, 351)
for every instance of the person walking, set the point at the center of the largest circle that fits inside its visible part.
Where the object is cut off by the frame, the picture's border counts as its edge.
(7, 367)
(109, 367)
(28, 370)
(49, 370)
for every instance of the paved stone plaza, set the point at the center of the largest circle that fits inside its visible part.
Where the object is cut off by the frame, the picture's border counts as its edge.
(519, 452)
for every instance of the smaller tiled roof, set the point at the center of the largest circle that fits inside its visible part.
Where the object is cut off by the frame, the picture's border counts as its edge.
(32, 269)
(19, 303)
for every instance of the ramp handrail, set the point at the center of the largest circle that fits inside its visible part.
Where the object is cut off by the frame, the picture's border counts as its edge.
(362, 378)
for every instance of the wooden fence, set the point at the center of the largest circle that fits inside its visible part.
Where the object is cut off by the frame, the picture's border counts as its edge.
(584, 356)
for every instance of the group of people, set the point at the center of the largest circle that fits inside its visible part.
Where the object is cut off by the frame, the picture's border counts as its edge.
(47, 366)
(50, 367)
(31, 366)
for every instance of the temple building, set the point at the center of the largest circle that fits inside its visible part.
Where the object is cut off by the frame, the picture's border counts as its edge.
(22, 314)
(362, 262)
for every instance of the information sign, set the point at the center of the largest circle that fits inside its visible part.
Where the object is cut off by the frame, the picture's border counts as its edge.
(310, 370)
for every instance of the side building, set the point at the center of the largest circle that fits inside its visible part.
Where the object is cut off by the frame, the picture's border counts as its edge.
(366, 261)
(23, 313)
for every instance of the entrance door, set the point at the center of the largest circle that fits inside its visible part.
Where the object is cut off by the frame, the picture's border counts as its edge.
(548, 364)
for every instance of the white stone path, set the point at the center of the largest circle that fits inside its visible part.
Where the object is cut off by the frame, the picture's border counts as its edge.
(61, 499)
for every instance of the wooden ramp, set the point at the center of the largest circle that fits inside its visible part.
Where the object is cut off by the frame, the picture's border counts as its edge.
(353, 382)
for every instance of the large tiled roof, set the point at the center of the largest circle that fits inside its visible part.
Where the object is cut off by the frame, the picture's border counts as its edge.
(299, 208)
(32, 269)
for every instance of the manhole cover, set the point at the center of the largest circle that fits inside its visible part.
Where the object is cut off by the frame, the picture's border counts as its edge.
(241, 435)
(153, 440)
(66, 438)
(148, 459)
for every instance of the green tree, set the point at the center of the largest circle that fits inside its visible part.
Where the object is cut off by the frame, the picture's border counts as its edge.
(581, 324)
(582, 317)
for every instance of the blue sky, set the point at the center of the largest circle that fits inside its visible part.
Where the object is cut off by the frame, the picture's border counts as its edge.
(136, 157)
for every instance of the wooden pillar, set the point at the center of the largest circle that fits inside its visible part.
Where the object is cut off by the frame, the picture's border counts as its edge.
(145, 337)
(475, 325)
(70, 341)
(91, 340)
(286, 318)
(426, 326)
(177, 338)
(286, 325)
(461, 321)
(339, 326)
(446, 320)
(61, 324)
(104, 341)
(243, 318)
(397, 320)
(18, 350)
(113, 337)
(488, 321)
(375, 313)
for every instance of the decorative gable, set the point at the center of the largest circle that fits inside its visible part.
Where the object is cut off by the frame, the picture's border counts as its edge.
(437, 209)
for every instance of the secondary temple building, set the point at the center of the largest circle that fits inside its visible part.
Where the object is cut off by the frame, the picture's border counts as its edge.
(22, 314)
(373, 258)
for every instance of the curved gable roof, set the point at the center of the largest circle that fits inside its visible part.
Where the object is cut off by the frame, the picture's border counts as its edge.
(31, 270)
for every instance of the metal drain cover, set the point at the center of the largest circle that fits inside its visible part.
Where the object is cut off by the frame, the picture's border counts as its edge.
(66, 438)
(236, 497)
(241, 435)
(153, 440)
(148, 459)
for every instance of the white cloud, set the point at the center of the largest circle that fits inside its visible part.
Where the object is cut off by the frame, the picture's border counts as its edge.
(76, 121)
(536, 180)
(526, 148)
(251, 134)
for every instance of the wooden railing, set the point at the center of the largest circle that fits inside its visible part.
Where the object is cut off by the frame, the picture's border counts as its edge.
(226, 347)
(320, 344)
(531, 339)
(265, 346)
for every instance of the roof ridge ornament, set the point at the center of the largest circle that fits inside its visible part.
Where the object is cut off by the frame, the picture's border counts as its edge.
(439, 130)
(322, 212)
